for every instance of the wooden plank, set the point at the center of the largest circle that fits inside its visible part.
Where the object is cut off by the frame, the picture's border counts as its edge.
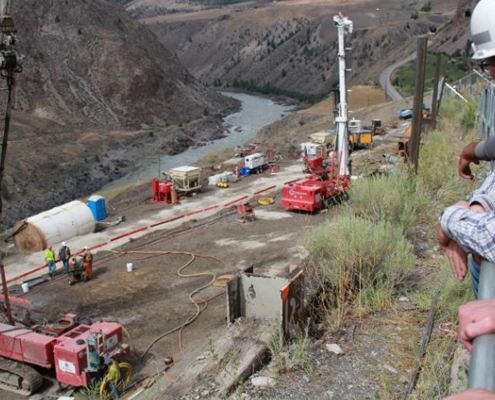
(241, 348)
(293, 312)
(233, 299)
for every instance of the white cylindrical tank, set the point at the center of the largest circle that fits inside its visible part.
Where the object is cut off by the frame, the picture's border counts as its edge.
(54, 226)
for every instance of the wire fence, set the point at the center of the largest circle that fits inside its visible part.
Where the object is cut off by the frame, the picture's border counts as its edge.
(478, 87)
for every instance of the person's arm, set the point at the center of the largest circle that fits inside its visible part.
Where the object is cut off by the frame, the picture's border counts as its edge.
(485, 195)
(472, 230)
(485, 150)
(472, 394)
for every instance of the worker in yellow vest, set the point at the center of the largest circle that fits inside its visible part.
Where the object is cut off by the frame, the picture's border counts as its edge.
(50, 261)
(113, 377)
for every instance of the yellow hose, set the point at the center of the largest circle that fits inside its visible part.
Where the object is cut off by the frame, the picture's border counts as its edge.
(220, 282)
(265, 201)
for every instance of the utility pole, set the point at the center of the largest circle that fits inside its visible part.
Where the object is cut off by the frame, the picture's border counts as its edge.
(419, 87)
(436, 83)
(10, 63)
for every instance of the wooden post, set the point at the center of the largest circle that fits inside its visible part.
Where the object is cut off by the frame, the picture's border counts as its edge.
(434, 103)
(5, 291)
(419, 88)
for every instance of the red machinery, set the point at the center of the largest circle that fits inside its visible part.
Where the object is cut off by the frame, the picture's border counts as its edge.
(310, 193)
(163, 192)
(76, 351)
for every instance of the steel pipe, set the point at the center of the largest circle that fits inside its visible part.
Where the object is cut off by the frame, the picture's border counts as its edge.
(482, 368)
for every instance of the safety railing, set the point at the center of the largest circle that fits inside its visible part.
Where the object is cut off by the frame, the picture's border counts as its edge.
(482, 365)
(482, 368)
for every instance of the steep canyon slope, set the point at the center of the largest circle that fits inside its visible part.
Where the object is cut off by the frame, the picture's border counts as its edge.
(98, 90)
(291, 45)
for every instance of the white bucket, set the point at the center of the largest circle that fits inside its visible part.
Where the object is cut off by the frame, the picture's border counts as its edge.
(25, 287)
(130, 267)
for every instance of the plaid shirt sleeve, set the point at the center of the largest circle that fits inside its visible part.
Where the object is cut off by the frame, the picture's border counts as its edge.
(485, 195)
(473, 231)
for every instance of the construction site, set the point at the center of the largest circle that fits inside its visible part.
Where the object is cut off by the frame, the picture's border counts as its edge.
(182, 281)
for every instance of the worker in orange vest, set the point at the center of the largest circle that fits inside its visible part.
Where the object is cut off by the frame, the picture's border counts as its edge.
(88, 263)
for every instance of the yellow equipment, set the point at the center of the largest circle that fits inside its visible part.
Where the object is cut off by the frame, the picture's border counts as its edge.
(223, 184)
(361, 140)
(403, 144)
(377, 127)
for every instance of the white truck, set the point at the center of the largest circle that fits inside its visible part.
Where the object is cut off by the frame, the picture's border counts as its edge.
(256, 163)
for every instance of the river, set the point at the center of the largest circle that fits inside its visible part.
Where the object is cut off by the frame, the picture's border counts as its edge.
(255, 113)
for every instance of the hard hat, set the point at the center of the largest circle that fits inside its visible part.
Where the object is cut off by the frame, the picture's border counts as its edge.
(63, 243)
(85, 247)
(483, 30)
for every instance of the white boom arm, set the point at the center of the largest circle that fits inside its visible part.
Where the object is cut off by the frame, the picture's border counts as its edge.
(344, 26)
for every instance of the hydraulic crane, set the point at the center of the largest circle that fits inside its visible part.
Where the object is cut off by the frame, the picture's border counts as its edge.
(324, 182)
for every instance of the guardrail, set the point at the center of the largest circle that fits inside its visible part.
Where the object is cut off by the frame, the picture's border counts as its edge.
(482, 368)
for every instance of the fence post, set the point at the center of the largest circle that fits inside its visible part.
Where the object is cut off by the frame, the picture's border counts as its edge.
(482, 368)
(434, 102)
(419, 88)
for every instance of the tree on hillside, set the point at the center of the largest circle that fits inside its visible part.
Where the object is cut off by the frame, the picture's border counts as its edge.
(426, 7)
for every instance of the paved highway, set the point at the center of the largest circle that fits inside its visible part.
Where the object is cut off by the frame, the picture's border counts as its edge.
(385, 82)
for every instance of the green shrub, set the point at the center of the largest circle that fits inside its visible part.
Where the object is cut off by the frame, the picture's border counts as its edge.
(390, 198)
(438, 169)
(358, 260)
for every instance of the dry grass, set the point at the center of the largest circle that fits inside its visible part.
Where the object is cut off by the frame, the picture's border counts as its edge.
(361, 96)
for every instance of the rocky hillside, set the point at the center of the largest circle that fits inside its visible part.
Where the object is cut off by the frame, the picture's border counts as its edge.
(291, 46)
(89, 62)
(454, 38)
(98, 94)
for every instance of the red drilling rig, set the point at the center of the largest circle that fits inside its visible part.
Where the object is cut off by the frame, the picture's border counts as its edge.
(325, 182)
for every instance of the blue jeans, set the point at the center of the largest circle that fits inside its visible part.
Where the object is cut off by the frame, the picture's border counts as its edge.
(66, 266)
(474, 269)
(115, 390)
(51, 268)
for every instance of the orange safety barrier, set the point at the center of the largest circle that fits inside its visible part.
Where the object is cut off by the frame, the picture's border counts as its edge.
(97, 246)
(17, 300)
(200, 211)
(168, 220)
(128, 234)
(264, 190)
(235, 201)
(16, 278)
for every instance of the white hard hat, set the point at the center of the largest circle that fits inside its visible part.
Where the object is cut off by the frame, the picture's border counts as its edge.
(85, 247)
(483, 30)
(63, 243)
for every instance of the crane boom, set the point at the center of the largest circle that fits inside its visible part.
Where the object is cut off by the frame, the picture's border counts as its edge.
(344, 26)
(4, 7)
